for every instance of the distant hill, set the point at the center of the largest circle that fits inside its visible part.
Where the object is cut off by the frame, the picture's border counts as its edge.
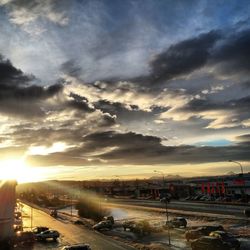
(231, 173)
(166, 177)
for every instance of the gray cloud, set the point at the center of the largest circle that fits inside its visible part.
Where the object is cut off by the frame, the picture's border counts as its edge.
(24, 12)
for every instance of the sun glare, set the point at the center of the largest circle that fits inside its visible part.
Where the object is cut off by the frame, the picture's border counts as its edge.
(18, 170)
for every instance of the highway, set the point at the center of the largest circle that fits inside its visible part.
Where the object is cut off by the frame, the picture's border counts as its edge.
(186, 207)
(70, 234)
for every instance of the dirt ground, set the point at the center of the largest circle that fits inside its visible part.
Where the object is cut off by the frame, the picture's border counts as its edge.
(157, 241)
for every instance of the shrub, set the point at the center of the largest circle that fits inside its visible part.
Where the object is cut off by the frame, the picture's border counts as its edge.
(91, 209)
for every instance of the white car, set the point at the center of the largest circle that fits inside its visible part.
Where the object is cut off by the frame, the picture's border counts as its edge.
(48, 234)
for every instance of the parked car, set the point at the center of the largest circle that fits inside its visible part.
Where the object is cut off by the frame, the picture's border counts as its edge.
(24, 237)
(198, 197)
(177, 222)
(53, 213)
(38, 230)
(226, 237)
(187, 198)
(139, 227)
(128, 225)
(209, 243)
(105, 224)
(77, 247)
(227, 199)
(202, 231)
(109, 218)
(18, 215)
(48, 234)
(78, 222)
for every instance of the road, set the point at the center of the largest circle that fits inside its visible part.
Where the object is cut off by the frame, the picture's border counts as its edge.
(180, 206)
(70, 234)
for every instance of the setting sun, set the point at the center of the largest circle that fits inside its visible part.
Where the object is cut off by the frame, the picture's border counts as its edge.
(18, 170)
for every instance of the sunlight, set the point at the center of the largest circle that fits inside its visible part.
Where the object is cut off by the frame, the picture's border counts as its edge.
(18, 170)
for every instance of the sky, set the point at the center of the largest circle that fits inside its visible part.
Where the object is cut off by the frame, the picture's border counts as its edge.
(102, 88)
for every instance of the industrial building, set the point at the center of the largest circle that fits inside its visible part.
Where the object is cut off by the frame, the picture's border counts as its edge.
(7, 207)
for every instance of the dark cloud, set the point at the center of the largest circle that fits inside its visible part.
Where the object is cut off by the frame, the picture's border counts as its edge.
(199, 105)
(17, 94)
(245, 137)
(112, 147)
(184, 57)
(177, 60)
(226, 51)
(30, 93)
(79, 102)
(132, 148)
(112, 138)
(9, 75)
(127, 113)
(233, 53)
(107, 120)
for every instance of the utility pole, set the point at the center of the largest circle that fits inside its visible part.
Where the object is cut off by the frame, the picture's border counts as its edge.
(31, 217)
(166, 200)
(71, 207)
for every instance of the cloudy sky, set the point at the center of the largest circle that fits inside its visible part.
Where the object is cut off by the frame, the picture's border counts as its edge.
(97, 88)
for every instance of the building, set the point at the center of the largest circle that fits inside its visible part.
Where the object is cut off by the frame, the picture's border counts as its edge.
(7, 207)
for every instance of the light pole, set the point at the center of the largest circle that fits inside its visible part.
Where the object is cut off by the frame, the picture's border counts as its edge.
(238, 163)
(241, 168)
(31, 217)
(166, 201)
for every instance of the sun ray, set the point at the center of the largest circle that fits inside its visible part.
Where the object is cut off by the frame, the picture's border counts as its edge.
(16, 169)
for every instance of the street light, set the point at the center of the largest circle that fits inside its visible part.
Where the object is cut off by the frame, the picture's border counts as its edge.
(166, 200)
(241, 168)
(238, 163)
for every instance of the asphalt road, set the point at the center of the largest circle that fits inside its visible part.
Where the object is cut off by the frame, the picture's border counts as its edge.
(222, 209)
(70, 234)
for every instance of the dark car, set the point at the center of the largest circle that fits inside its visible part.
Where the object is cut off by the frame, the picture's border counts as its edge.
(138, 227)
(38, 230)
(226, 237)
(209, 243)
(109, 218)
(77, 247)
(78, 222)
(177, 222)
(202, 231)
(128, 225)
(105, 224)
(53, 213)
(49, 234)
